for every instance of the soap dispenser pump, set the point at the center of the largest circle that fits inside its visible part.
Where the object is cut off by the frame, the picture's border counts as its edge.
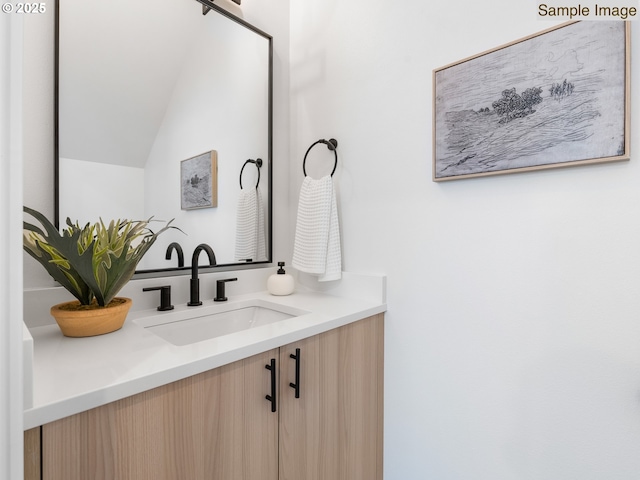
(280, 283)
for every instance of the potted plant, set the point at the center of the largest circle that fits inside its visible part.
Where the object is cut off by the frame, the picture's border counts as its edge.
(93, 263)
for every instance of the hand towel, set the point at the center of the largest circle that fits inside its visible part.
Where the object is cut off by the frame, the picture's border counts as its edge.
(316, 247)
(261, 230)
(250, 227)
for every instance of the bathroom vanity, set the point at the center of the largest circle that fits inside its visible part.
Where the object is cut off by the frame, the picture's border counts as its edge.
(198, 392)
(299, 398)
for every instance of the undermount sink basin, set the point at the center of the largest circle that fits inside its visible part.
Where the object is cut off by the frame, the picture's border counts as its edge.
(197, 324)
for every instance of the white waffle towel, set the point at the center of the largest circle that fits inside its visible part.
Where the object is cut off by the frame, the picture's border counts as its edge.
(250, 228)
(261, 233)
(316, 247)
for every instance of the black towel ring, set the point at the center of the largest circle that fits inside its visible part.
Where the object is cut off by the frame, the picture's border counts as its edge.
(258, 164)
(332, 144)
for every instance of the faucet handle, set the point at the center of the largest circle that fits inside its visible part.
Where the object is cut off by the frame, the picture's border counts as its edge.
(165, 296)
(220, 295)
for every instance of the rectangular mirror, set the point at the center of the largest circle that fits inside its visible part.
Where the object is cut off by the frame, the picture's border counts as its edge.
(144, 86)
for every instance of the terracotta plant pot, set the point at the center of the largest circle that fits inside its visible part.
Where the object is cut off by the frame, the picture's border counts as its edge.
(92, 320)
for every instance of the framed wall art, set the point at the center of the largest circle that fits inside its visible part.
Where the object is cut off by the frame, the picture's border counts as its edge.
(553, 99)
(199, 181)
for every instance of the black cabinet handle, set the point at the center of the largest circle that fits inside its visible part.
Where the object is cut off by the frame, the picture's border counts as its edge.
(272, 398)
(296, 385)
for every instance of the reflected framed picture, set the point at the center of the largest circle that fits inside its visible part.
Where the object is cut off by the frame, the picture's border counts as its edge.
(199, 181)
(557, 98)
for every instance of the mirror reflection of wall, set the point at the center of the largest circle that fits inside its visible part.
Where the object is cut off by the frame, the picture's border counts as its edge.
(144, 86)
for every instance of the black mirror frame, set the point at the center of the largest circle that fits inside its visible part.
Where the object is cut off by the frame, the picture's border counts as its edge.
(56, 175)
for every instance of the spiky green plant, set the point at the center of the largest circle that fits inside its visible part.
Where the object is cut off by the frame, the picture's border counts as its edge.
(92, 262)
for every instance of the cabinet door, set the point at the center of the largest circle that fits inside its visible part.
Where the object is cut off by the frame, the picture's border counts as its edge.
(334, 430)
(215, 425)
(32, 454)
(260, 424)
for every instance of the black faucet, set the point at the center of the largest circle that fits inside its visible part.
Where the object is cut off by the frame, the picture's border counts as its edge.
(175, 246)
(165, 296)
(195, 282)
(220, 295)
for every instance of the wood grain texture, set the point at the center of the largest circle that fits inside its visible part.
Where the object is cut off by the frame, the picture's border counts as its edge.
(260, 424)
(32, 454)
(334, 430)
(198, 428)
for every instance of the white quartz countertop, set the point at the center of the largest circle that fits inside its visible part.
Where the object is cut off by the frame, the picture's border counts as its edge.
(71, 375)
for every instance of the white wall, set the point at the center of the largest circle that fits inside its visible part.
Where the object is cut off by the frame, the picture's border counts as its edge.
(512, 336)
(38, 116)
(93, 182)
(116, 96)
(209, 110)
(11, 367)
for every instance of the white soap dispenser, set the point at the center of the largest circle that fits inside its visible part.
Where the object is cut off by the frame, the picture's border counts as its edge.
(280, 283)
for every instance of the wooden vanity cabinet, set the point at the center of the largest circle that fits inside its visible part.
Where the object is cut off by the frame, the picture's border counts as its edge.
(219, 425)
(32, 454)
(210, 426)
(333, 431)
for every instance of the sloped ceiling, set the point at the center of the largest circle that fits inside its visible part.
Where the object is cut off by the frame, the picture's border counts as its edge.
(119, 61)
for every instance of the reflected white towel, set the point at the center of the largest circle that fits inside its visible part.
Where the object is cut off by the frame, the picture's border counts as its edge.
(261, 230)
(316, 247)
(250, 228)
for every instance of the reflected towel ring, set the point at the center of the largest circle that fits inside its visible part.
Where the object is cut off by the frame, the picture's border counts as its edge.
(332, 144)
(258, 164)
